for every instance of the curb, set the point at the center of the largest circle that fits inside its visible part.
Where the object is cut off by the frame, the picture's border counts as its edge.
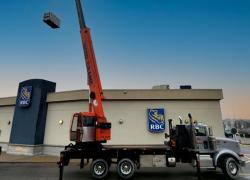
(30, 162)
(34, 162)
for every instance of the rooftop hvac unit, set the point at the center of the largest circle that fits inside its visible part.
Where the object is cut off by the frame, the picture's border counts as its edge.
(185, 87)
(162, 87)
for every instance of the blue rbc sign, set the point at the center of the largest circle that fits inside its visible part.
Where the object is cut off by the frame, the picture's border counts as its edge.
(156, 120)
(24, 98)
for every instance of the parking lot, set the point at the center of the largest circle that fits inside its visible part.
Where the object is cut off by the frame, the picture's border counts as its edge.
(45, 168)
(49, 171)
(30, 171)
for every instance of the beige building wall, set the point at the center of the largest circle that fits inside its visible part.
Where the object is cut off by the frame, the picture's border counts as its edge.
(126, 106)
(56, 134)
(6, 117)
(133, 114)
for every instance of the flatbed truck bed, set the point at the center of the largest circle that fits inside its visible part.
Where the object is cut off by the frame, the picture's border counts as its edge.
(130, 157)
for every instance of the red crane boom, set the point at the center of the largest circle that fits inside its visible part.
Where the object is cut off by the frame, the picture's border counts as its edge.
(91, 126)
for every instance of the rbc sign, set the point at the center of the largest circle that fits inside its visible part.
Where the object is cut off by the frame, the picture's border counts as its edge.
(156, 120)
(24, 97)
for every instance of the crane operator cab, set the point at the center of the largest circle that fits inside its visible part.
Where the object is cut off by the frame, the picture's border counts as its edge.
(84, 128)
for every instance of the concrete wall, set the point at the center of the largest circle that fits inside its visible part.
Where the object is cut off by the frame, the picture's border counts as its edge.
(134, 116)
(6, 116)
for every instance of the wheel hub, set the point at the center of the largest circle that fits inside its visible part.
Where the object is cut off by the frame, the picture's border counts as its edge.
(99, 168)
(232, 168)
(126, 168)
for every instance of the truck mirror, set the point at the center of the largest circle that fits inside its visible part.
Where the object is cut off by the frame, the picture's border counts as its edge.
(233, 131)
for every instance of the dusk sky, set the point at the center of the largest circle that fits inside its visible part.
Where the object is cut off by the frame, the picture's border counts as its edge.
(138, 44)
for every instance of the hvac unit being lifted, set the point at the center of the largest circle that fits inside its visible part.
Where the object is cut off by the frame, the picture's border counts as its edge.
(50, 19)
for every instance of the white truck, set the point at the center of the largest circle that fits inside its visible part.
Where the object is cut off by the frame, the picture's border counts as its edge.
(187, 143)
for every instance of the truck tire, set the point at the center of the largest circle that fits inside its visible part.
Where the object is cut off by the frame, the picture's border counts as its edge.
(230, 168)
(126, 168)
(99, 168)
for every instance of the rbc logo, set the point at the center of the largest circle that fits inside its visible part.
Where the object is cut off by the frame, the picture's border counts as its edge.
(25, 96)
(156, 120)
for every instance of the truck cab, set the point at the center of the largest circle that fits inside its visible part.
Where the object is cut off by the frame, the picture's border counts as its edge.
(211, 152)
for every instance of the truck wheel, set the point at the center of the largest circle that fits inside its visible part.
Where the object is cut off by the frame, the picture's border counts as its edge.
(126, 168)
(230, 168)
(99, 168)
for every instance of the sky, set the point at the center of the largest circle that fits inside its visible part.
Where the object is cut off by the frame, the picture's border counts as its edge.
(138, 44)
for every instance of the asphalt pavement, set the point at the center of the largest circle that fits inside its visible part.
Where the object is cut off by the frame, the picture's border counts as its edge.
(45, 168)
(50, 171)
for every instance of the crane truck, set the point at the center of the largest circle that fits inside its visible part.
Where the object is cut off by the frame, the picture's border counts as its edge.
(187, 143)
